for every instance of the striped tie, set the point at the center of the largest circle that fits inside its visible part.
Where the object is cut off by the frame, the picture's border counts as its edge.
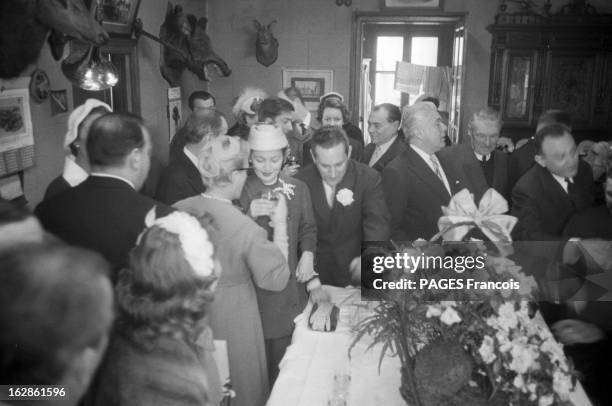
(436, 167)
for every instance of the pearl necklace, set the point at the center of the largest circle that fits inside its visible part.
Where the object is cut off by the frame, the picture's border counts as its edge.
(220, 199)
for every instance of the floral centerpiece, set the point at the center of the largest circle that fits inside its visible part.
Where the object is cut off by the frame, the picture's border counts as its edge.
(470, 346)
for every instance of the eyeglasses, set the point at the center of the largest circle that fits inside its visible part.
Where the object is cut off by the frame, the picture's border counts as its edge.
(249, 171)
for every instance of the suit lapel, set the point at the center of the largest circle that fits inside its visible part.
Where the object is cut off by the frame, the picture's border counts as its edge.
(426, 175)
(389, 154)
(554, 191)
(317, 194)
(367, 153)
(500, 172)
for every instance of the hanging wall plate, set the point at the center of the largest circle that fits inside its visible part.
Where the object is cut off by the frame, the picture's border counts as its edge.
(39, 86)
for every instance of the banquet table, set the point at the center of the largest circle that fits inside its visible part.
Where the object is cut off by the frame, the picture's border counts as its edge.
(312, 360)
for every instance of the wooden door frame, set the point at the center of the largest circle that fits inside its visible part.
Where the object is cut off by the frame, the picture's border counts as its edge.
(362, 18)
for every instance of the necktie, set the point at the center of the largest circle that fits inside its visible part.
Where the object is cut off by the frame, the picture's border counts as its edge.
(570, 185)
(330, 192)
(375, 156)
(436, 167)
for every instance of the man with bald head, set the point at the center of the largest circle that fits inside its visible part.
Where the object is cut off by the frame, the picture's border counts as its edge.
(555, 188)
(417, 183)
(482, 166)
(106, 213)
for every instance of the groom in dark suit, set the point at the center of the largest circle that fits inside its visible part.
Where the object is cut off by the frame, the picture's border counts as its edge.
(386, 144)
(106, 213)
(349, 206)
(481, 164)
(182, 178)
(417, 183)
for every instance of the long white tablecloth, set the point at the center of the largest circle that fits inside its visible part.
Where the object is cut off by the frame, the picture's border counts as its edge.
(313, 358)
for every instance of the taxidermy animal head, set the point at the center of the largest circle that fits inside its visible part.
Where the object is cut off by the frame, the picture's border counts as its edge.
(24, 24)
(191, 47)
(266, 46)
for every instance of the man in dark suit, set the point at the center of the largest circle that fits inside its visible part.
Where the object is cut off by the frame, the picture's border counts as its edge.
(182, 179)
(348, 203)
(554, 189)
(482, 165)
(523, 158)
(383, 126)
(76, 163)
(417, 183)
(105, 213)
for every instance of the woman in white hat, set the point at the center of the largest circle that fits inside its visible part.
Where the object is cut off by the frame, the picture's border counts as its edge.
(267, 183)
(248, 260)
(76, 164)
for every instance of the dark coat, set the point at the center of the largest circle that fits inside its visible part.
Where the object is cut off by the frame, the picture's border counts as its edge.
(415, 195)
(103, 214)
(521, 160)
(396, 148)
(57, 186)
(594, 222)
(180, 180)
(543, 208)
(462, 158)
(341, 229)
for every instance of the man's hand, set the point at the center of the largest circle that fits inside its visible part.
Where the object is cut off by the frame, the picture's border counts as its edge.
(305, 267)
(321, 318)
(280, 211)
(261, 207)
(290, 170)
(355, 269)
(573, 331)
(320, 295)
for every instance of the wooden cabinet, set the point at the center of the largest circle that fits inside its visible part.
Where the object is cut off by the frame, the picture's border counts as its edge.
(560, 62)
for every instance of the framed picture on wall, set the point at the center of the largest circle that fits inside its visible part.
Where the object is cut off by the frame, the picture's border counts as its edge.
(312, 83)
(15, 120)
(413, 5)
(117, 16)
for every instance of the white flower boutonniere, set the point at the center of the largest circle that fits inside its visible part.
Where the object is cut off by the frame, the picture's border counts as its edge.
(345, 197)
(286, 189)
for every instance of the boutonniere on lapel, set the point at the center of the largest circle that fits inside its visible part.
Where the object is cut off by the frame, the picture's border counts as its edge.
(345, 197)
(286, 189)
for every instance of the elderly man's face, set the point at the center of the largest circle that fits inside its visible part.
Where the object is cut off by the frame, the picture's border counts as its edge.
(484, 136)
(559, 156)
(331, 162)
(431, 131)
(380, 128)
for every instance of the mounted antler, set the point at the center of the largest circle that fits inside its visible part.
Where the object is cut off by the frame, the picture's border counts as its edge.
(266, 46)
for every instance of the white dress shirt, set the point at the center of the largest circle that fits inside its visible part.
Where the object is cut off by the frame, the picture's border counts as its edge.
(427, 158)
(380, 150)
(479, 156)
(561, 181)
(329, 193)
(108, 175)
(73, 173)
(190, 156)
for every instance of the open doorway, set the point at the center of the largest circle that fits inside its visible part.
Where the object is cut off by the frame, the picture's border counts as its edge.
(381, 41)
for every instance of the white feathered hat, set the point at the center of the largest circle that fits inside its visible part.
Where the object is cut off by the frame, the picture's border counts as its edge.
(78, 115)
(245, 100)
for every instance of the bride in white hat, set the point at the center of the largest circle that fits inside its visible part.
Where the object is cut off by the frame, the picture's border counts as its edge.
(268, 151)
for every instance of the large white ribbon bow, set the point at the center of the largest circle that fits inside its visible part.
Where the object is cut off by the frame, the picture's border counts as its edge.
(461, 215)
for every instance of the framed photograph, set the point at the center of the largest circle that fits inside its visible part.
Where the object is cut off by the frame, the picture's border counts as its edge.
(433, 5)
(117, 16)
(15, 120)
(311, 83)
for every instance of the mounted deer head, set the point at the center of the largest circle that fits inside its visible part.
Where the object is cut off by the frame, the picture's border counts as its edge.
(24, 25)
(190, 47)
(266, 46)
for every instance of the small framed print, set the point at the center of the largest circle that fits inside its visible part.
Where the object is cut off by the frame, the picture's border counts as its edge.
(415, 5)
